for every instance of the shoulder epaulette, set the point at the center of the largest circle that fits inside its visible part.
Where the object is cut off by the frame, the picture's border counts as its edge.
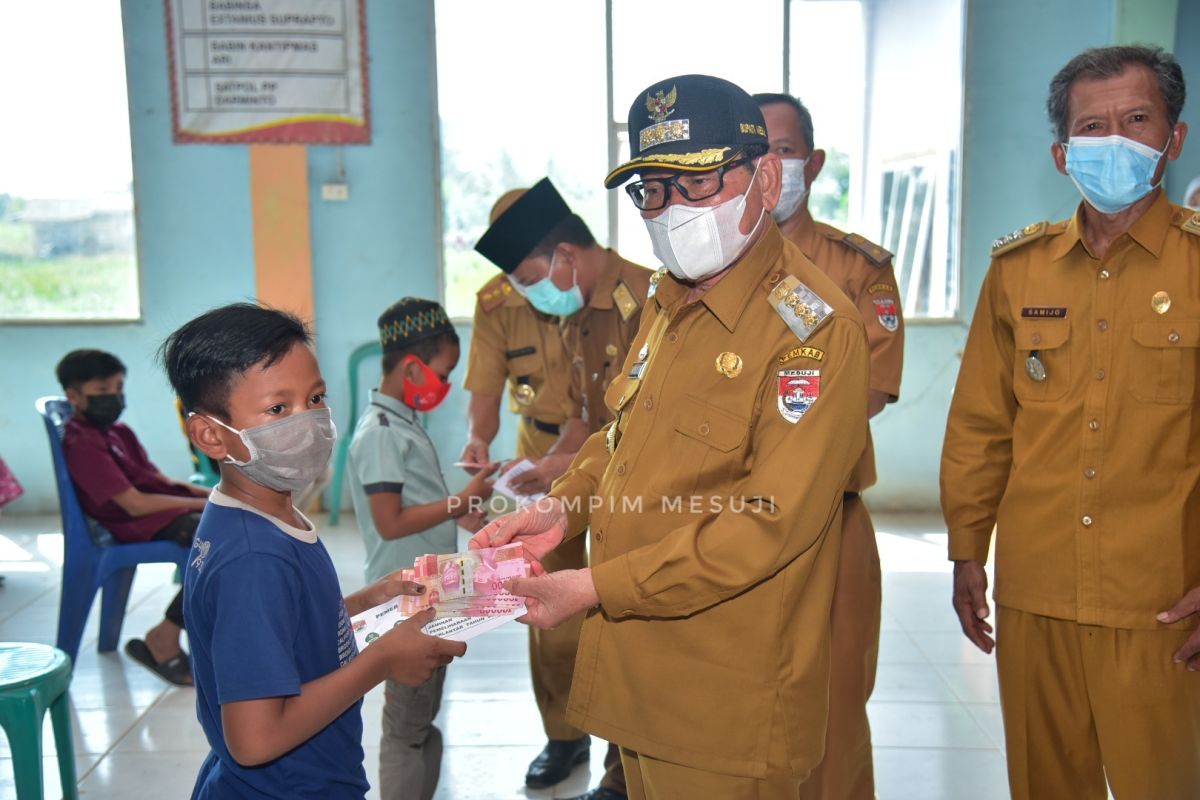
(494, 293)
(658, 275)
(800, 307)
(1011, 241)
(874, 253)
(1192, 225)
(627, 305)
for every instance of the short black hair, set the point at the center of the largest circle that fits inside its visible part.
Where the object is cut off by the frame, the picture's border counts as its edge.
(806, 123)
(1107, 62)
(424, 349)
(204, 356)
(572, 230)
(80, 366)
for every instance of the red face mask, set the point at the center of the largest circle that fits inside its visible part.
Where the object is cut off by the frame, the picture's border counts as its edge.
(427, 395)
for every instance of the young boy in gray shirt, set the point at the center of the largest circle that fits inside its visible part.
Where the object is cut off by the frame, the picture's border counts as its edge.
(404, 510)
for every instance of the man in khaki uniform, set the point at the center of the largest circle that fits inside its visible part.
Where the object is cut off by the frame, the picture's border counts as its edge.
(1073, 431)
(582, 302)
(863, 271)
(713, 501)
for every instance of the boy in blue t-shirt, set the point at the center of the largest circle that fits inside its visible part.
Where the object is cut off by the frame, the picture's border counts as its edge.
(404, 511)
(279, 681)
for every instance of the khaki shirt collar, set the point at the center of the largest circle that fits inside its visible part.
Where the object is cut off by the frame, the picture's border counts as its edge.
(729, 298)
(1149, 231)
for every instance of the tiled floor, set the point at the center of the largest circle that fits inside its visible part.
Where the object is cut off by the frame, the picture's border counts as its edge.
(935, 716)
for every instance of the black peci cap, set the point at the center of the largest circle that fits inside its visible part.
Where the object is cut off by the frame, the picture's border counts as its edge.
(690, 123)
(519, 228)
(410, 320)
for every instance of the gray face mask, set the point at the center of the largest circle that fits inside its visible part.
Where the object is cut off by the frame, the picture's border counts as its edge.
(289, 454)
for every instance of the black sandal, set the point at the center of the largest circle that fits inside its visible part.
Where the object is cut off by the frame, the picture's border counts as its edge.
(177, 670)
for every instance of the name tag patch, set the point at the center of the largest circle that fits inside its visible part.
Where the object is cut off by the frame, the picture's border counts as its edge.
(1043, 312)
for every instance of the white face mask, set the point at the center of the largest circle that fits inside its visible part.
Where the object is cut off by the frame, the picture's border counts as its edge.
(696, 243)
(289, 454)
(794, 189)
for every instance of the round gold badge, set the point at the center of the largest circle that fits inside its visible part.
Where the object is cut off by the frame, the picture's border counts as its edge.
(525, 394)
(1161, 302)
(729, 364)
(610, 350)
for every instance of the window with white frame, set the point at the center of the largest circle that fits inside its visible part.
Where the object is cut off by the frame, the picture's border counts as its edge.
(918, 211)
(545, 103)
(910, 191)
(67, 225)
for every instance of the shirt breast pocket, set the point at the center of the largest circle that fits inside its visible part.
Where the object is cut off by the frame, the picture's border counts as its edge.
(527, 367)
(706, 448)
(1165, 355)
(1049, 341)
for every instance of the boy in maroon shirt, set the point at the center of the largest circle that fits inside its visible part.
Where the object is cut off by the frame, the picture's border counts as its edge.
(120, 488)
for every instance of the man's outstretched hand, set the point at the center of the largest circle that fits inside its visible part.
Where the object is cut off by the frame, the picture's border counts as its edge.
(539, 526)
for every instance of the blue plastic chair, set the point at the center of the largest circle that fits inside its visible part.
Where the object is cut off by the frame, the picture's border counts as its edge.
(92, 559)
(340, 457)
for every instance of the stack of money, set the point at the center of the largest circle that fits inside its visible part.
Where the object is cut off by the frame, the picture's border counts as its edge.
(466, 591)
(469, 584)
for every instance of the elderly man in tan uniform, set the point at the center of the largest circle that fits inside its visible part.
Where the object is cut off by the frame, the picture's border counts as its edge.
(713, 500)
(1074, 431)
(556, 325)
(863, 271)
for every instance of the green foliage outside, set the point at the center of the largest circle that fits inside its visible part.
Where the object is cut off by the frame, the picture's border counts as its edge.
(64, 287)
(829, 201)
(466, 272)
(68, 287)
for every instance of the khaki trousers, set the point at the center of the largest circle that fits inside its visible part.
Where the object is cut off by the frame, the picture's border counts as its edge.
(552, 653)
(846, 772)
(410, 748)
(652, 779)
(1084, 701)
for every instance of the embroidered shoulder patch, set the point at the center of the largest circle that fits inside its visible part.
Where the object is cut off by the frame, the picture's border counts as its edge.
(1011, 241)
(887, 313)
(815, 353)
(626, 305)
(798, 392)
(494, 293)
(1192, 226)
(800, 307)
(874, 253)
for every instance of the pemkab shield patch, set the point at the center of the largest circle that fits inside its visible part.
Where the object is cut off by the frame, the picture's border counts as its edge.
(798, 392)
(885, 309)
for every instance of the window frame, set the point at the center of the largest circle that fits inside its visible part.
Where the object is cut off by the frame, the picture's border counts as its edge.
(139, 315)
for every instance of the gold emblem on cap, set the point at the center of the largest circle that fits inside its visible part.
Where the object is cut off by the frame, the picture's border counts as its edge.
(610, 350)
(729, 364)
(525, 394)
(1031, 228)
(659, 105)
(1161, 302)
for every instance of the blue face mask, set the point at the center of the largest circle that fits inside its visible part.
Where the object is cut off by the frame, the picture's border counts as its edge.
(1112, 172)
(548, 298)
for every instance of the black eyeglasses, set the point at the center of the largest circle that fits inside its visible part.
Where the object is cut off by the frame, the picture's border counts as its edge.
(652, 194)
